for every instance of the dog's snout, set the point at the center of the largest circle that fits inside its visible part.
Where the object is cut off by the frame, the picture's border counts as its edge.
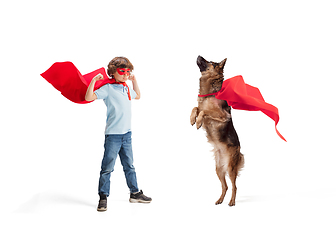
(202, 63)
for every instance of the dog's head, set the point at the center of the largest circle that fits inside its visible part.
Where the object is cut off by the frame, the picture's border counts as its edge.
(212, 75)
(210, 68)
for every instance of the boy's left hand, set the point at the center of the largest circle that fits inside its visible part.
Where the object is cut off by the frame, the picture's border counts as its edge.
(132, 77)
(135, 86)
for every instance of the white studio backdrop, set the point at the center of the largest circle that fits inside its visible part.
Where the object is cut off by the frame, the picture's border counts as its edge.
(52, 148)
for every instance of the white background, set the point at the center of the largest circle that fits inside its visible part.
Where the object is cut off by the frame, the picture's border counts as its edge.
(51, 148)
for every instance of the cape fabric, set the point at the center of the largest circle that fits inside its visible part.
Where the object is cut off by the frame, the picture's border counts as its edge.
(66, 78)
(240, 95)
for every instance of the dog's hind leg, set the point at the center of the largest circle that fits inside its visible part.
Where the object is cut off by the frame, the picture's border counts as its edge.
(233, 176)
(221, 175)
(236, 163)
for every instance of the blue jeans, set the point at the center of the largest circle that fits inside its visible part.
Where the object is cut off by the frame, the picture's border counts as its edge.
(117, 144)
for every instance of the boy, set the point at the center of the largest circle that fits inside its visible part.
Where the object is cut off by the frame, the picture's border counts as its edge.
(118, 140)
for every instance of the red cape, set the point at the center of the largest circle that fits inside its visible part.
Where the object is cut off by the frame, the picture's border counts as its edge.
(240, 95)
(66, 78)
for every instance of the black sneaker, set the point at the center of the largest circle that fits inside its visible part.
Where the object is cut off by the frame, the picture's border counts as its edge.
(102, 205)
(139, 198)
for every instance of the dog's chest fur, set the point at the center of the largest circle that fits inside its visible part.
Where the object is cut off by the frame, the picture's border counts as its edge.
(210, 103)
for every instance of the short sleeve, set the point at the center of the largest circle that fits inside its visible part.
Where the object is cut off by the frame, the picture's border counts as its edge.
(102, 92)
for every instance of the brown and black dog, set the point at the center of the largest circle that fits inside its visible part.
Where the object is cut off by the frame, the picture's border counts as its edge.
(214, 116)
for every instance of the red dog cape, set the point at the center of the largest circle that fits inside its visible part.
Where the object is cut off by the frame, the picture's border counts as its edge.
(240, 95)
(66, 78)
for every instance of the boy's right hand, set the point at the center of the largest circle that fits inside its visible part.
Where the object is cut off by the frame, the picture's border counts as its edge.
(98, 77)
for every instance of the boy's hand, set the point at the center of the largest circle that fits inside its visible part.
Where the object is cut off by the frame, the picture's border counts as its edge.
(98, 77)
(132, 77)
(135, 86)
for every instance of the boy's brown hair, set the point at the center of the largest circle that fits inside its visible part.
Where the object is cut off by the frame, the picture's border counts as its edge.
(118, 62)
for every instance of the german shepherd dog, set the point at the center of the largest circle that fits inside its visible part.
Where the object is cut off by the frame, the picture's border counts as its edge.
(214, 116)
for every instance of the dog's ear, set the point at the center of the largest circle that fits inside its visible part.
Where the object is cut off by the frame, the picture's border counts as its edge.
(222, 63)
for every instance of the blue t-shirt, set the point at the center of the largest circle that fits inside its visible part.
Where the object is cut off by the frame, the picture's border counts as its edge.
(118, 105)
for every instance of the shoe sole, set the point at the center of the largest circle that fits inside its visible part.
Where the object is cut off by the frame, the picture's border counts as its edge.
(101, 209)
(132, 200)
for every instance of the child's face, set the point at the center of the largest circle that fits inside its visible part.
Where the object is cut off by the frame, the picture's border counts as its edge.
(122, 74)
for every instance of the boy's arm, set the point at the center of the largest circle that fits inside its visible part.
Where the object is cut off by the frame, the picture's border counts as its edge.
(135, 86)
(90, 95)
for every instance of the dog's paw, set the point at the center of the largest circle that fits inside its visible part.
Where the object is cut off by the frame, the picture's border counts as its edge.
(193, 116)
(232, 203)
(192, 120)
(199, 121)
(219, 201)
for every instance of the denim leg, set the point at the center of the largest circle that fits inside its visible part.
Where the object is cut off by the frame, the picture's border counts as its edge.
(112, 146)
(126, 158)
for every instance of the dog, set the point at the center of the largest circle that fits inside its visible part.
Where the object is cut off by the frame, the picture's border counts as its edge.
(214, 116)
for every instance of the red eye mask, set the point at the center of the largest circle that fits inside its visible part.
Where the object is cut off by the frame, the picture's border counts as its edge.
(123, 71)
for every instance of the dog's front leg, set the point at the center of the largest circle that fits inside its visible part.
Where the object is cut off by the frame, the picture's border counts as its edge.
(193, 116)
(200, 118)
(214, 115)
